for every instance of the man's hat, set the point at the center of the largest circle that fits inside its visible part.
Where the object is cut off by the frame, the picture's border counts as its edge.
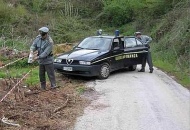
(44, 29)
(136, 33)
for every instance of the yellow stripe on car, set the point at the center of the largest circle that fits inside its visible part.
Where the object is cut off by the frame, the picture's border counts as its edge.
(122, 56)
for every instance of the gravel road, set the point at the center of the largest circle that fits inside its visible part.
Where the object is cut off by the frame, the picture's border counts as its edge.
(137, 101)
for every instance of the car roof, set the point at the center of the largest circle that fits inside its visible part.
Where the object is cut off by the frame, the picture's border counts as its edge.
(107, 36)
(129, 36)
(112, 36)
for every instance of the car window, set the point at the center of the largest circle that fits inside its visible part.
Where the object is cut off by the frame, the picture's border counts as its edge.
(97, 43)
(130, 42)
(116, 40)
(138, 42)
(115, 43)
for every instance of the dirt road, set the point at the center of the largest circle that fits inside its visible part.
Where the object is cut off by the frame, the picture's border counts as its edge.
(137, 101)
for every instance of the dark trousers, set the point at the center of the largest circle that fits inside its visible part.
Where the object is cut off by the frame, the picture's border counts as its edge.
(147, 59)
(49, 68)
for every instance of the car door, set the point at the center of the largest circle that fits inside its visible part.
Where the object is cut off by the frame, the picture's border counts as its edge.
(134, 51)
(117, 54)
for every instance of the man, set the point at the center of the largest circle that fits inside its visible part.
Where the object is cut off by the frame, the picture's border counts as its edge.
(145, 40)
(43, 44)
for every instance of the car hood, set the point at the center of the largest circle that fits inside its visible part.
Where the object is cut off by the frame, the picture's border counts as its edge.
(81, 54)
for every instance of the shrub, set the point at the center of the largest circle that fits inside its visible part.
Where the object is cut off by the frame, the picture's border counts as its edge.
(116, 14)
(70, 30)
(5, 13)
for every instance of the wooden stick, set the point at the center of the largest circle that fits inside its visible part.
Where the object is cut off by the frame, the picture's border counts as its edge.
(64, 105)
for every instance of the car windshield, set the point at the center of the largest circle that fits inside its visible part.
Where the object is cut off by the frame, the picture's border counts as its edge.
(95, 43)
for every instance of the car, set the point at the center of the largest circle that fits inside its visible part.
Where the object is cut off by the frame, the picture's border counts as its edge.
(101, 55)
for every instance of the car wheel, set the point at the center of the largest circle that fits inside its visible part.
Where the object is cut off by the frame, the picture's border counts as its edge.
(104, 71)
(132, 68)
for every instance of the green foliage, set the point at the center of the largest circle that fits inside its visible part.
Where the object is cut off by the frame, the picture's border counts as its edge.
(85, 12)
(156, 8)
(11, 14)
(18, 70)
(181, 76)
(16, 44)
(2, 74)
(70, 30)
(119, 12)
(127, 29)
(21, 11)
(172, 50)
(5, 13)
(88, 8)
(22, 64)
(33, 78)
(116, 13)
(80, 89)
(37, 5)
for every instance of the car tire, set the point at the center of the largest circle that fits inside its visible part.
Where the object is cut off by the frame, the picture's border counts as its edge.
(132, 68)
(104, 71)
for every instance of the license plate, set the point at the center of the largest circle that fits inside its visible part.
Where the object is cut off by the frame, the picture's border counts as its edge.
(68, 68)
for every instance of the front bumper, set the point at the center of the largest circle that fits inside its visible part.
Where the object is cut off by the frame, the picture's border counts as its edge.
(82, 70)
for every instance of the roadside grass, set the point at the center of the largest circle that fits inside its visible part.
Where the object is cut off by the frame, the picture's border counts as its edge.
(181, 75)
(19, 69)
(171, 46)
(18, 44)
(4, 59)
(81, 89)
(33, 78)
(2, 74)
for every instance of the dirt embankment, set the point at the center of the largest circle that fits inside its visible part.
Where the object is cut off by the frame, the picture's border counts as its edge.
(33, 109)
(29, 108)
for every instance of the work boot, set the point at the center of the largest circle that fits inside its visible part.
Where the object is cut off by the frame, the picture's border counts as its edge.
(43, 85)
(54, 88)
(141, 70)
(151, 70)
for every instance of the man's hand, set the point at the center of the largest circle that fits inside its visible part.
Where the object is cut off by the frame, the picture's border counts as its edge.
(147, 45)
(36, 57)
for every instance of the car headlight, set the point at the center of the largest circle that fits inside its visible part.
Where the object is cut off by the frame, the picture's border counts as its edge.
(58, 60)
(84, 63)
